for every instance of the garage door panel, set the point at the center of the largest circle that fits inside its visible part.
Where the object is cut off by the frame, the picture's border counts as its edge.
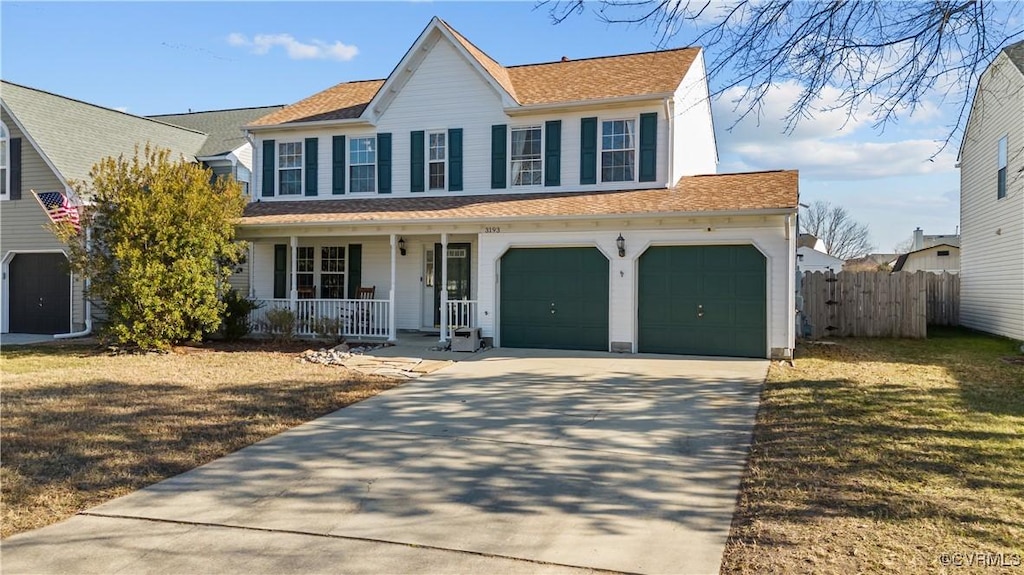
(39, 292)
(554, 298)
(725, 283)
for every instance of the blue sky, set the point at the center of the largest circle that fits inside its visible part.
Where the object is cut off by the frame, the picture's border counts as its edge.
(157, 57)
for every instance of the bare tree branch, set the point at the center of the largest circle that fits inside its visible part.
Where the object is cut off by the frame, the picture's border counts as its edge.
(843, 236)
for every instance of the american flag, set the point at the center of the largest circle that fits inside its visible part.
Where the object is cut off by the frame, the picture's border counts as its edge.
(58, 207)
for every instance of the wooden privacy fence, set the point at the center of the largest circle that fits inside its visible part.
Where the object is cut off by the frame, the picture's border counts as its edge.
(877, 304)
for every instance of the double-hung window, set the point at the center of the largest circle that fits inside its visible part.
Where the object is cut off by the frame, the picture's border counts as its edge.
(618, 151)
(1001, 174)
(527, 157)
(437, 158)
(289, 168)
(332, 272)
(4, 171)
(304, 267)
(362, 157)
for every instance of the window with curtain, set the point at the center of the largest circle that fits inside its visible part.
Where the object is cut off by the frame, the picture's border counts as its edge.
(1001, 173)
(304, 277)
(289, 168)
(527, 157)
(363, 164)
(332, 272)
(437, 156)
(618, 151)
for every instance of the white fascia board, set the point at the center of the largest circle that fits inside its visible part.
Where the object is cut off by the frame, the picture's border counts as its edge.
(304, 125)
(658, 99)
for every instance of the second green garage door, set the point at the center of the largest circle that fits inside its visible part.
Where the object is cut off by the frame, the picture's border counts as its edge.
(703, 300)
(554, 298)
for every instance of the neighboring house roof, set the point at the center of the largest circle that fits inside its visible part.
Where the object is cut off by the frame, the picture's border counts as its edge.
(872, 259)
(644, 74)
(222, 127)
(75, 135)
(948, 239)
(776, 190)
(902, 260)
(806, 241)
(1016, 54)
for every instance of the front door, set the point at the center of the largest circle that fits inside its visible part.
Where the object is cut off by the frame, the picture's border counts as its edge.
(458, 275)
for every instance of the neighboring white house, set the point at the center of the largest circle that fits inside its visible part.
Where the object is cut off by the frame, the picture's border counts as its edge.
(941, 258)
(570, 204)
(992, 200)
(811, 256)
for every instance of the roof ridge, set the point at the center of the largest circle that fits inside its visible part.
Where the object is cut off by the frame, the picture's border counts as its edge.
(604, 57)
(144, 118)
(468, 41)
(151, 116)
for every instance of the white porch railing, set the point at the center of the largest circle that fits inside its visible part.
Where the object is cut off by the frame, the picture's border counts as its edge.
(347, 317)
(461, 313)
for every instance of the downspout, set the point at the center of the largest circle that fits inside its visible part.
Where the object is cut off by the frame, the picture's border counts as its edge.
(669, 110)
(88, 303)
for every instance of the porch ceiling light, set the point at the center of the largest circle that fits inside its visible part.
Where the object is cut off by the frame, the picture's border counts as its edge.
(620, 242)
(401, 245)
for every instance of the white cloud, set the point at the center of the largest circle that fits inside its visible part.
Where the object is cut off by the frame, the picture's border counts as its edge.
(830, 144)
(296, 50)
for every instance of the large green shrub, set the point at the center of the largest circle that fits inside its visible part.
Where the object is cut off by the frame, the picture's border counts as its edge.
(162, 248)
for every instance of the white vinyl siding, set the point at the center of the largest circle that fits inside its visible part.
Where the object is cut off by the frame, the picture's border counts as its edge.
(992, 228)
(693, 148)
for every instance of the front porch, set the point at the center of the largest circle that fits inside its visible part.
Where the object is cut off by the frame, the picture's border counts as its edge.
(364, 287)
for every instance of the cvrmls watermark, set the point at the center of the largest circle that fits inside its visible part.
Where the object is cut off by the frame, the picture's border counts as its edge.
(980, 559)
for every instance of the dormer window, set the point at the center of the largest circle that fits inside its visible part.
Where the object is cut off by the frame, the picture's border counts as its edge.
(527, 157)
(289, 168)
(618, 151)
(363, 164)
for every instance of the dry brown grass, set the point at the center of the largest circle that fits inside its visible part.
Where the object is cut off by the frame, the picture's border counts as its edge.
(80, 427)
(889, 456)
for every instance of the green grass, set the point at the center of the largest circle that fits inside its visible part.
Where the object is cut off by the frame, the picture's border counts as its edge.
(881, 455)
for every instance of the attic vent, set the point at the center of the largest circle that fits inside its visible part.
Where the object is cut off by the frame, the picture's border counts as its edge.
(565, 58)
(943, 252)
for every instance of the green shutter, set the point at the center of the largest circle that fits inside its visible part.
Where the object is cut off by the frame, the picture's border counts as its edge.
(14, 157)
(416, 161)
(648, 147)
(312, 156)
(383, 163)
(588, 151)
(338, 165)
(268, 168)
(355, 269)
(499, 155)
(455, 160)
(553, 153)
(280, 271)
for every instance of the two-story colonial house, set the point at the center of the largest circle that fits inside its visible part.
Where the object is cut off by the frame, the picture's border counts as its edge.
(992, 200)
(569, 205)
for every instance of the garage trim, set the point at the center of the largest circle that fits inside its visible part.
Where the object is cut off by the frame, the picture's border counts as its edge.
(5, 265)
(496, 262)
(709, 242)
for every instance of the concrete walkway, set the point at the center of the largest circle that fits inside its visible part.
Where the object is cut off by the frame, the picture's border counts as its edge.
(9, 339)
(514, 462)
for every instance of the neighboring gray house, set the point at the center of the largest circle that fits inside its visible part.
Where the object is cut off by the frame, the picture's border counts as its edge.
(46, 142)
(226, 151)
(992, 200)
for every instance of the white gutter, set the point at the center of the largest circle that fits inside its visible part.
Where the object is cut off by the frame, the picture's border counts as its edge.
(669, 110)
(313, 124)
(88, 303)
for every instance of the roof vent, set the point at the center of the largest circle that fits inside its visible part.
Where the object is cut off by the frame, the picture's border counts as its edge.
(565, 58)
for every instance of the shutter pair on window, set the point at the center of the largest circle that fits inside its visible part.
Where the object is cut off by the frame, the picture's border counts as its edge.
(648, 149)
(355, 269)
(552, 154)
(338, 152)
(417, 160)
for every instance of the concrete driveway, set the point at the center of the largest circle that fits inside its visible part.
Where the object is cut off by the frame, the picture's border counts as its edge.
(520, 461)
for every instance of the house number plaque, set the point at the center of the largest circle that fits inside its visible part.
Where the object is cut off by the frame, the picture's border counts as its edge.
(492, 230)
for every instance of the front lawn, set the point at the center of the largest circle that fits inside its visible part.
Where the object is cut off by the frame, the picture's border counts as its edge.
(80, 427)
(894, 456)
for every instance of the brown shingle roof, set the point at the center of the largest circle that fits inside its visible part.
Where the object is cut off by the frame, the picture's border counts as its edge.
(341, 102)
(643, 74)
(693, 194)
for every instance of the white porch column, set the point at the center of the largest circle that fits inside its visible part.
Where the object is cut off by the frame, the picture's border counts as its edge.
(294, 294)
(252, 270)
(444, 287)
(392, 332)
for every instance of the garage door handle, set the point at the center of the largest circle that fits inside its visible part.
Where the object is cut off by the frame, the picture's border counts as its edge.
(40, 302)
(700, 311)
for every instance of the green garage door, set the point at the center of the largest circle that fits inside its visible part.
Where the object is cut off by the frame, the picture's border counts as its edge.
(554, 298)
(703, 300)
(40, 294)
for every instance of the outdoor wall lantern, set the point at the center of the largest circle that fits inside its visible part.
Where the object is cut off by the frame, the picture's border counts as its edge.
(620, 242)
(401, 245)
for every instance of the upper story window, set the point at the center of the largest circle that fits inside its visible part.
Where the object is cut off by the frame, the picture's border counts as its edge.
(289, 168)
(527, 157)
(1001, 174)
(618, 151)
(363, 164)
(437, 157)
(4, 172)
